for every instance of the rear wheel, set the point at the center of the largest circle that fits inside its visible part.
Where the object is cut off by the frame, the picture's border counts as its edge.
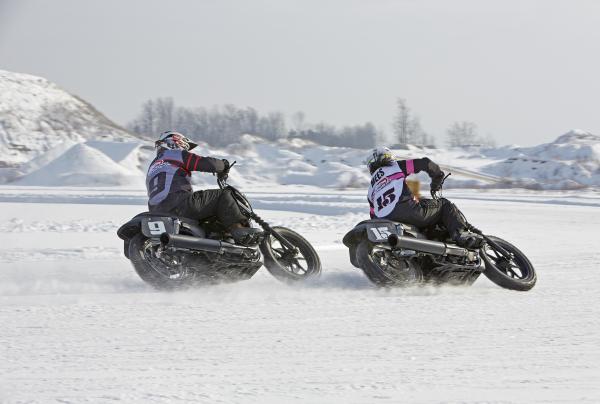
(164, 272)
(383, 268)
(515, 272)
(286, 265)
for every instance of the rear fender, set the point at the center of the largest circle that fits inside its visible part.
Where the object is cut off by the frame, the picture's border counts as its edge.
(155, 226)
(130, 229)
(376, 230)
(147, 224)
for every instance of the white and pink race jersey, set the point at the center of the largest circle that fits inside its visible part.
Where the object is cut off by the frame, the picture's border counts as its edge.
(386, 188)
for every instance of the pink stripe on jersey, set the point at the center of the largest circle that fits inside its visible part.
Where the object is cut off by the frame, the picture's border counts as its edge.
(410, 167)
(396, 176)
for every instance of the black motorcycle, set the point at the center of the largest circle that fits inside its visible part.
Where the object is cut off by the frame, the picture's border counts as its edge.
(393, 254)
(170, 252)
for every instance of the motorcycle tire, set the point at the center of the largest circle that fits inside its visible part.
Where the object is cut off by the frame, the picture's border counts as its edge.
(499, 270)
(410, 275)
(283, 269)
(156, 278)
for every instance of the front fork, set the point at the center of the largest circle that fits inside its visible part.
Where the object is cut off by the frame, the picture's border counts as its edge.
(289, 247)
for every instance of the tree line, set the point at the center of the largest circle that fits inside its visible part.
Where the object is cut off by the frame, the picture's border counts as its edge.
(407, 130)
(223, 125)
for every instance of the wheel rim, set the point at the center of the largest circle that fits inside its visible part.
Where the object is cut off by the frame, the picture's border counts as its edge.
(513, 267)
(296, 264)
(397, 270)
(170, 267)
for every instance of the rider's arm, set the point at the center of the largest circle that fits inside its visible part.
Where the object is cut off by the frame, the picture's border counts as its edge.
(372, 209)
(193, 162)
(417, 165)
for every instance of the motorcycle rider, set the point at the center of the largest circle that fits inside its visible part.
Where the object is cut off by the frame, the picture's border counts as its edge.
(390, 198)
(170, 189)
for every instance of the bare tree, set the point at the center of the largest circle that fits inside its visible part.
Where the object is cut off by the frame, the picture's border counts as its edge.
(272, 126)
(416, 134)
(164, 111)
(402, 121)
(462, 133)
(488, 140)
(299, 121)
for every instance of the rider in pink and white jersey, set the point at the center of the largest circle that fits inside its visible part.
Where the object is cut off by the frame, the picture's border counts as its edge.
(390, 198)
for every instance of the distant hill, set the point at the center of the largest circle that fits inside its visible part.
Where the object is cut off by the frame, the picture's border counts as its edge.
(36, 115)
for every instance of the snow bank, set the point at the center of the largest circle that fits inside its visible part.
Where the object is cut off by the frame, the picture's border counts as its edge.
(82, 165)
(571, 161)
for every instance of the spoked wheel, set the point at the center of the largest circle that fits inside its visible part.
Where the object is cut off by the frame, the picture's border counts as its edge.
(383, 268)
(162, 272)
(290, 265)
(514, 272)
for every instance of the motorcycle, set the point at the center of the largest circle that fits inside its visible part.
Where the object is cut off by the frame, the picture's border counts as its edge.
(393, 254)
(170, 252)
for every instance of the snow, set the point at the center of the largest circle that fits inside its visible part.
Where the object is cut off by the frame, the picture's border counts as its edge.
(36, 115)
(570, 162)
(82, 165)
(40, 125)
(79, 325)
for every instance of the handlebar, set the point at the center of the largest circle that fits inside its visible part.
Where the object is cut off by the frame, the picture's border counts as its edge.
(438, 194)
(223, 182)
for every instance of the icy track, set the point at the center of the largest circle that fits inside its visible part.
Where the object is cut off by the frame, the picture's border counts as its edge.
(78, 326)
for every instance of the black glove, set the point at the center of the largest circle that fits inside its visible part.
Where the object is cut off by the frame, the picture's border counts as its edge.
(222, 176)
(436, 182)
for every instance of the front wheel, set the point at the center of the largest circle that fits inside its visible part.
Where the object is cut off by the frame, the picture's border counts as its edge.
(286, 265)
(514, 272)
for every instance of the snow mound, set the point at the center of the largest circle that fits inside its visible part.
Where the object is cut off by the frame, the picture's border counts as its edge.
(82, 165)
(571, 161)
(36, 116)
(288, 162)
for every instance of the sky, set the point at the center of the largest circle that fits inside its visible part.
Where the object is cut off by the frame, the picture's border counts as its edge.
(524, 71)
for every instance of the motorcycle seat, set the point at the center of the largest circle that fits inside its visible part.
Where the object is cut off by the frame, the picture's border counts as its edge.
(187, 220)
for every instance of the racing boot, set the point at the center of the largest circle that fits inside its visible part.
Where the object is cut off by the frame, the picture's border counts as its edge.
(468, 239)
(246, 236)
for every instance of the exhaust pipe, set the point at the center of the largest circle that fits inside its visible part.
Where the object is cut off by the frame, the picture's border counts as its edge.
(200, 244)
(428, 246)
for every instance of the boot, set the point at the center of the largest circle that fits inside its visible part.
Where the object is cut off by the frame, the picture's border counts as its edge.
(467, 239)
(246, 236)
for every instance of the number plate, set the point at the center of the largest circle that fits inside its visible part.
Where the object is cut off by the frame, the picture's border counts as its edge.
(155, 226)
(378, 232)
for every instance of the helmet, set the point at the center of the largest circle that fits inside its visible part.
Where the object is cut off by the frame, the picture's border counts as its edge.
(379, 157)
(174, 141)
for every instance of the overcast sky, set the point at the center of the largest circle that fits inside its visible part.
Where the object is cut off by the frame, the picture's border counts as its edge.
(525, 71)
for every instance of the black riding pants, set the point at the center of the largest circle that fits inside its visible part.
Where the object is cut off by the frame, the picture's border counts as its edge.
(211, 202)
(428, 212)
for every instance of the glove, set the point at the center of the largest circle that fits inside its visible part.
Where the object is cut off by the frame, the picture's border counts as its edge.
(222, 176)
(436, 182)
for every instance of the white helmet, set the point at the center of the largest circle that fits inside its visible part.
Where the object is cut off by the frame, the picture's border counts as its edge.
(379, 157)
(174, 141)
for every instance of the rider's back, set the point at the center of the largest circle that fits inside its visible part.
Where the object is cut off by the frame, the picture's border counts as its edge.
(168, 181)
